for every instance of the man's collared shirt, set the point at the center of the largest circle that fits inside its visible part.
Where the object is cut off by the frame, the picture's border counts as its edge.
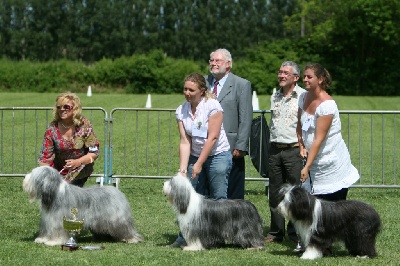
(284, 116)
(221, 83)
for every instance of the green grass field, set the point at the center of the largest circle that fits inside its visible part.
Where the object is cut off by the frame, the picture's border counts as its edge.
(110, 101)
(154, 217)
(156, 222)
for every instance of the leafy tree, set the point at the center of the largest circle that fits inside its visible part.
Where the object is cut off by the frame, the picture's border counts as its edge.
(355, 41)
(262, 63)
(279, 10)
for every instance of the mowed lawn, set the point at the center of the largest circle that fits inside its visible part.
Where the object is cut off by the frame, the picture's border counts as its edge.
(154, 218)
(110, 101)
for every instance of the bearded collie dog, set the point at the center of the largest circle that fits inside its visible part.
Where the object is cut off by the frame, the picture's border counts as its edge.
(319, 223)
(206, 223)
(105, 210)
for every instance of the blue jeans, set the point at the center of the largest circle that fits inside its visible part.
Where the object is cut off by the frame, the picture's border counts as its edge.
(213, 179)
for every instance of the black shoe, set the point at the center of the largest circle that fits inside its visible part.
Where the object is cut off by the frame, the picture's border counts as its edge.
(294, 239)
(178, 244)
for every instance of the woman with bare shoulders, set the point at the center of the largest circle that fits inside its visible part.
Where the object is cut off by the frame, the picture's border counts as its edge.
(319, 134)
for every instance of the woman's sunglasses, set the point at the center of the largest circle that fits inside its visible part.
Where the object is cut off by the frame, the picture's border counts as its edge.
(66, 107)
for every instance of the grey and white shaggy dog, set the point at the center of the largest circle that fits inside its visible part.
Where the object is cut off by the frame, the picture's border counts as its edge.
(319, 223)
(105, 210)
(206, 223)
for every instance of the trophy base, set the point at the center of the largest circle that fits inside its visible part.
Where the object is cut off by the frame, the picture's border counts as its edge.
(69, 247)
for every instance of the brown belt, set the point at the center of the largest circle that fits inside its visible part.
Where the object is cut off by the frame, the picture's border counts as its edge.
(285, 146)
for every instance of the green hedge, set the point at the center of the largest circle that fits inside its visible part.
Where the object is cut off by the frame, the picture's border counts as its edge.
(141, 73)
(151, 73)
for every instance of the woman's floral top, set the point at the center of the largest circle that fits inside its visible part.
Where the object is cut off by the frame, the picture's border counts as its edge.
(55, 149)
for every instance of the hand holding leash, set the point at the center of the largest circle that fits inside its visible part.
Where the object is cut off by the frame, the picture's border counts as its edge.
(73, 163)
(305, 171)
(305, 177)
(196, 169)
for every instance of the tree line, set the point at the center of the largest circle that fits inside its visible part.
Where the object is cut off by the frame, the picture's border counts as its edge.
(357, 41)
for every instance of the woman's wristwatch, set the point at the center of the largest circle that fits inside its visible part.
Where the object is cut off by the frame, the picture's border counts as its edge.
(183, 171)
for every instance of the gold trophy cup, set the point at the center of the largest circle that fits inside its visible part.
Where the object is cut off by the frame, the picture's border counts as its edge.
(73, 226)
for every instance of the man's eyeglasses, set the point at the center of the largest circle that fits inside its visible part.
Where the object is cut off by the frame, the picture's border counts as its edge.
(285, 73)
(218, 61)
(65, 107)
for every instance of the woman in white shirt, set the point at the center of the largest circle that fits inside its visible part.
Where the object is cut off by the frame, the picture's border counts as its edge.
(320, 138)
(204, 149)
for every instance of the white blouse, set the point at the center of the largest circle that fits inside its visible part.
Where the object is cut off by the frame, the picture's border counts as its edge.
(204, 110)
(332, 169)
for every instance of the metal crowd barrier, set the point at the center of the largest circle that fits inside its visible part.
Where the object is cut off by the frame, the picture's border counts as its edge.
(144, 142)
(21, 134)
